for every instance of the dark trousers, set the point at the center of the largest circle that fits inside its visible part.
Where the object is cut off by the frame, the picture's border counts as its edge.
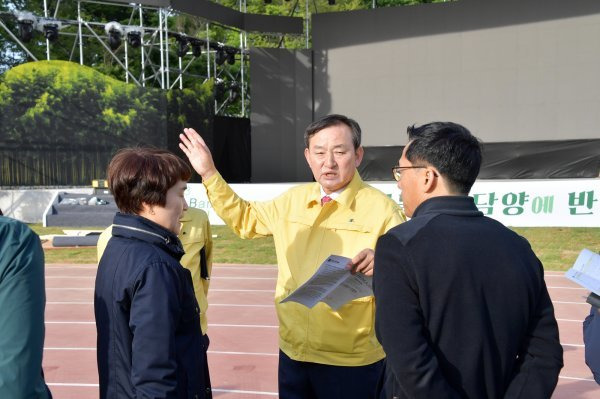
(304, 380)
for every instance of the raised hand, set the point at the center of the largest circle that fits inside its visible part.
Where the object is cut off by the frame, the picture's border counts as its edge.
(197, 152)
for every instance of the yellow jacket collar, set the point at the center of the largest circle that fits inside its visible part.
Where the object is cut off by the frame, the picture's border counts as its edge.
(346, 198)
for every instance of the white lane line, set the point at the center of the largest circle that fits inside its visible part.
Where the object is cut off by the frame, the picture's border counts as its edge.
(576, 378)
(211, 290)
(575, 345)
(575, 321)
(242, 278)
(212, 278)
(215, 266)
(210, 325)
(244, 267)
(569, 288)
(233, 290)
(245, 392)
(48, 277)
(68, 349)
(70, 384)
(242, 325)
(210, 351)
(210, 305)
(571, 303)
(243, 353)
(240, 305)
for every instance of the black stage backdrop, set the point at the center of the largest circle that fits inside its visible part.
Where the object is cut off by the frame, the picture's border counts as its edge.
(565, 159)
(232, 148)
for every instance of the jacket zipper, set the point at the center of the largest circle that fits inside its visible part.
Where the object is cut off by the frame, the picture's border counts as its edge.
(165, 239)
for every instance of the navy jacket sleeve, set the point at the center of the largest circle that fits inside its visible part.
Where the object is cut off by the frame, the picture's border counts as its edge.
(541, 354)
(591, 338)
(155, 311)
(400, 325)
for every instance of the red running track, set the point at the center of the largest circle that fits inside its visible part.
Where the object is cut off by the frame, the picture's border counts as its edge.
(243, 332)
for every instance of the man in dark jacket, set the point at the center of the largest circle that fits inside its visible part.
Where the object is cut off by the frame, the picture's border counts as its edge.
(462, 306)
(22, 302)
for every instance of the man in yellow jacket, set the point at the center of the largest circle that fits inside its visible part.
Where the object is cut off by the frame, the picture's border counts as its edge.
(324, 353)
(196, 238)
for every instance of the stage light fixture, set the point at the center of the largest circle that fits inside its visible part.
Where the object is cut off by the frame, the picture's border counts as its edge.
(115, 31)
(49, 27)
(183, 45)
(219, 88)
(230, 56)
(234, 91)
(220, 56)
(134, 36)
(51, 32)
(196, 47)
(25, 22)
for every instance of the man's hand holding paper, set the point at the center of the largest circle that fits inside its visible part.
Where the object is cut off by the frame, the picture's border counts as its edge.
(333, 284)
(363, 262)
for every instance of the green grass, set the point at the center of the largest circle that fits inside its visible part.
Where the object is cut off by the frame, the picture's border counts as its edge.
(227, 247)
(71, 255)
(557, 247)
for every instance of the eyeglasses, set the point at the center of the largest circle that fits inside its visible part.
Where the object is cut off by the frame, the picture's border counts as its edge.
(397, 171)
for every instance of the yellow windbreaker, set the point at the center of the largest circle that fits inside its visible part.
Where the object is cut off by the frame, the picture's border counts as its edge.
(305, 233)
(195, 234)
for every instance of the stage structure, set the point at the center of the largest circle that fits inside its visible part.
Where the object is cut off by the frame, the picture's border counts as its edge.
(147, 49)
(521, 75)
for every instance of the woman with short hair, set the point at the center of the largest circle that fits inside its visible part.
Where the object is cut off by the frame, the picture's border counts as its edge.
(147, 318)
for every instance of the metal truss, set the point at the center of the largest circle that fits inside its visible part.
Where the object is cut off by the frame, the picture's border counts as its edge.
(155, 47)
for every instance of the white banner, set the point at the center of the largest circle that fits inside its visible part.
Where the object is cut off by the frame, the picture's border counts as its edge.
(519, 203)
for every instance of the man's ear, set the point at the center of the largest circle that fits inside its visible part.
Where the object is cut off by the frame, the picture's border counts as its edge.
(430, 180)
(360, 152)
(306, 156)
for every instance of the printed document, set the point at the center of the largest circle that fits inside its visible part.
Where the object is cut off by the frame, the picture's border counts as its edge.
(332, 284)
(586, 271)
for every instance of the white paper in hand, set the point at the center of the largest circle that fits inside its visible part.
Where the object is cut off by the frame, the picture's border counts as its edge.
(586, 271)
(332, 284)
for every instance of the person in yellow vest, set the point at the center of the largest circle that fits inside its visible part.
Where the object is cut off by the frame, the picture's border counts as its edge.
(324, 353)
(196, 238)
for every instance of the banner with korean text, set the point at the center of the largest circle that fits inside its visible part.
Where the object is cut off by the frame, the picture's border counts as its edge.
(518, 203)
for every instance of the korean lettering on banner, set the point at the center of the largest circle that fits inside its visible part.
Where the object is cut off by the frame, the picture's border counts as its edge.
(514, 203)
(580, 203)
(485, 202)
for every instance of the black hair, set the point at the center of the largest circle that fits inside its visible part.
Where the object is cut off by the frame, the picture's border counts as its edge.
(333, 120)
(450, 148)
